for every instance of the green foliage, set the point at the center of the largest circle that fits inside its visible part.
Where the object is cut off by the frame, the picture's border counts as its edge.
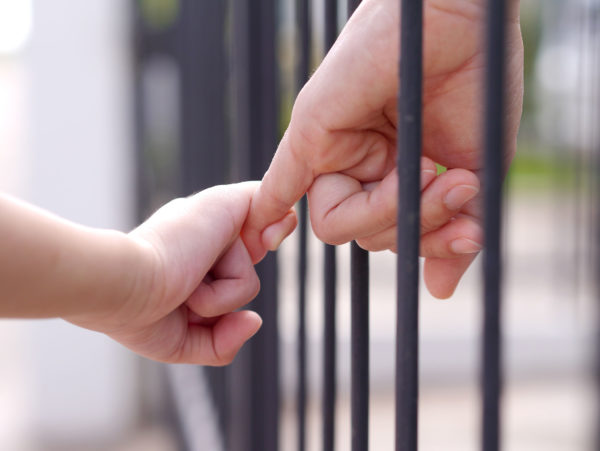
(440, 169)
(542, 169)
(159, 14)
(531, 28)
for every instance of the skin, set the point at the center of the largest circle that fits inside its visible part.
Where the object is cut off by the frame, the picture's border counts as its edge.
(340, 146)
(169, 290)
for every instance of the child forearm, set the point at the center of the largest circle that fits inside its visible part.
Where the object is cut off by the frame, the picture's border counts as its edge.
(50, 267)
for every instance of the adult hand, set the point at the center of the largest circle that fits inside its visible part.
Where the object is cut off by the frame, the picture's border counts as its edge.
(341, 142)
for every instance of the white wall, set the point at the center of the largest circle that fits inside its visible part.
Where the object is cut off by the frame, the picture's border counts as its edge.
(81, 385)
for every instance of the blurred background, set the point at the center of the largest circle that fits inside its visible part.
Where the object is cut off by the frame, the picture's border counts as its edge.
(69, 129)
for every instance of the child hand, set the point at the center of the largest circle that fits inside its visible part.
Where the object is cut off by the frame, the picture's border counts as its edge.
(196, 273)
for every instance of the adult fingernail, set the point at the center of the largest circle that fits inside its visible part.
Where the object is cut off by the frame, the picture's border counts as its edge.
(460, 195)
(465, 246)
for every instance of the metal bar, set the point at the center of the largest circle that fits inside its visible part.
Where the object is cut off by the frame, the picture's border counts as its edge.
(256, 376)
(329, 351)
(204, 127)
(330, 287)
(331, 23)
(359, 347)
(302, 72)
(204, 134)
(264, 123)
(302, 362)
(493, 170)
(409, 169)
(359, 342)
(242, 388)
(352, 5)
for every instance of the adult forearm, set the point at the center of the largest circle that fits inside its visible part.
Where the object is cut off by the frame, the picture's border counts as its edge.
(50, 267)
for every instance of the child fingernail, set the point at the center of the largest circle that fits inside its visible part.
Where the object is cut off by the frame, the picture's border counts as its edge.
(459, 196)
(465, 246)
(274, 235)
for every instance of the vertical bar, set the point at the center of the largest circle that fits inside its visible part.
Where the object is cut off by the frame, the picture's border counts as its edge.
(330, 284)
(302, 73)
(204, 130)
(204, 134)
(359, 342)
(302, 362)
(331, 27)
(359, 347)
(352, 5)
(409, 169)
(256, 376)
(264, 102)
(242, 388)
(329, 352)
(493, 158)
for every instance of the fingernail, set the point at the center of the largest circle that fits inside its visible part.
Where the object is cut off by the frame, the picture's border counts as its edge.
(460, 195)
(465, 246)
(274, 235)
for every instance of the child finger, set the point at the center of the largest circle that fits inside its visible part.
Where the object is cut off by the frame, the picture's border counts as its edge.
(219, 344)
(461, 236)
(446, 196)
(274, 234)
(231, 284)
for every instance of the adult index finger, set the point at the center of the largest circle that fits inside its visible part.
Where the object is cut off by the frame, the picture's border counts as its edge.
(284, 183)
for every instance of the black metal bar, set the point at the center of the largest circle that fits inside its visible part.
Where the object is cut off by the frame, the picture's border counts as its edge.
(330, 288)
(352, 5)
(360, 335)
(331, 23)
(204, 126)
(203, 72)
(329, 351)
(243, 392)
(493, 170)
(264, 103)
(359, 347)
(409, 169)
(302, 73)
(255, 94)
(302, 361)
